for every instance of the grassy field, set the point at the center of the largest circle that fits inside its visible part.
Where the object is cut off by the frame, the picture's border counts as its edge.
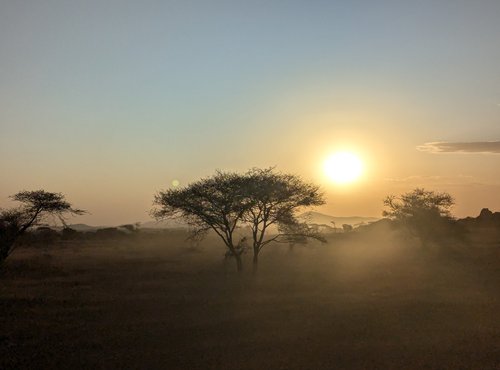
(160, 304)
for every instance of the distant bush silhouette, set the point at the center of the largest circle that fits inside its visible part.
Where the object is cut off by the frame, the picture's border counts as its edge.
(35, 207)
(424, 213)
(46, 235)
(68, 233)
(109, 233)
(347, 228)
(131, 228)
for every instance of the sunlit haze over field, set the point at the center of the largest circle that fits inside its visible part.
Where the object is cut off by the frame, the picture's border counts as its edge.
(248, 185)
(110, 102)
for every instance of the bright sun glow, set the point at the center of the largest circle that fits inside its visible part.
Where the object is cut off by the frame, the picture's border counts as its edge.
(343, 167)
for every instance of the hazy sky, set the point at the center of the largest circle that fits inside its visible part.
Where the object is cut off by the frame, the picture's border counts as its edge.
(110, 101)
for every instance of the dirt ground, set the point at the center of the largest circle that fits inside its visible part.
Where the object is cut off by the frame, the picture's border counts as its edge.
(162, 304)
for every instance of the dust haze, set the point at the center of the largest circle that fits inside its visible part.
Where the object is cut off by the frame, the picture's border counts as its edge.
(374, 297)
(254, 185)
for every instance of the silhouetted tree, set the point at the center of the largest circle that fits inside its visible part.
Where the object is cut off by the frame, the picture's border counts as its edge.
(215, 203)
(274, 199)
(35, 207)
(423, 212)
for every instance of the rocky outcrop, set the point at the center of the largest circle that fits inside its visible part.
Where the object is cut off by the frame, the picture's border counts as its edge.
(483, 229)
(486, 218)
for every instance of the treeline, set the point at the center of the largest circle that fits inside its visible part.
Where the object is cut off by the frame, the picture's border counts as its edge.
(263, 202)
(47, 235)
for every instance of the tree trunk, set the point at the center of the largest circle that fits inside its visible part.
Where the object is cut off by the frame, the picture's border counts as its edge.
(5, 249)
(255, 260)
(3, 254)
(239, 264)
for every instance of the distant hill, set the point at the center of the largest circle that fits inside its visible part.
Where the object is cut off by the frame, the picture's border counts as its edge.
(321, 218)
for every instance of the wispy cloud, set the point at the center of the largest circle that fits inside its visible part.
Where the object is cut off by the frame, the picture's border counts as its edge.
(436, 180)
(488, 147)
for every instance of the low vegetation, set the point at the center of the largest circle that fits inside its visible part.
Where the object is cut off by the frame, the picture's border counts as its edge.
(369, 298)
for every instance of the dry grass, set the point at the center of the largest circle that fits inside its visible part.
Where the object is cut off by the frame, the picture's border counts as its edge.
(149, 304)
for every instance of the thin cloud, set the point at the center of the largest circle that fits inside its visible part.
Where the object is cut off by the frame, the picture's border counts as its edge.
(436, 180)
(487, 147)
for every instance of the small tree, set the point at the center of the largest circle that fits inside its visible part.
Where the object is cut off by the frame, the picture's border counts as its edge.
(274, 199)
(347, 228)
(216, 203)
(423, 212)
(35, 207)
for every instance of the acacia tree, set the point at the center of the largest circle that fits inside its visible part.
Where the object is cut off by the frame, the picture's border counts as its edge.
(274, 199)
(421, 211)
(35, 207)
(215, 203)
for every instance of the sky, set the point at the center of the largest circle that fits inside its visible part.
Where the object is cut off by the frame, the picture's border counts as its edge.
(111, 101)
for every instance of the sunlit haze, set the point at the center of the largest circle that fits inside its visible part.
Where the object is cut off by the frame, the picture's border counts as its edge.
(343, 167)
(246, 185)
(109, 102)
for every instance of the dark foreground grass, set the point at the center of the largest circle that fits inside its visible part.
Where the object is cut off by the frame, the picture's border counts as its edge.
(162, 305)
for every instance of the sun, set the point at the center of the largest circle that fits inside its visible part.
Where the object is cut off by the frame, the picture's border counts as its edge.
(343, 167)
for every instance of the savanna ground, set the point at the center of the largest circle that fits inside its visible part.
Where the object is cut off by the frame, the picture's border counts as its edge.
(159, 303)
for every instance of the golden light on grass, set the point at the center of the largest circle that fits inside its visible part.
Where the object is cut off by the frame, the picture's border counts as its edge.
(343, 167)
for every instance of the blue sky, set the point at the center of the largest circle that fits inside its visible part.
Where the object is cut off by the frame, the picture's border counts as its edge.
(109, 101)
